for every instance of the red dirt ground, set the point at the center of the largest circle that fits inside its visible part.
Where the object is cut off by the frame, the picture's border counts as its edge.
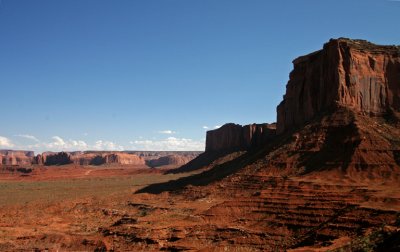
(251, 210)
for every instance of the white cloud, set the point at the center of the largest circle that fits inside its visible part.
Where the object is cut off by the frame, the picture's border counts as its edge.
(60, 144)
(30, 137)
(205, 127)
(106, 145)
(169, 144)
(81, 144)
(166, 132)
(5, 142)
(58, 141)
(217, 126)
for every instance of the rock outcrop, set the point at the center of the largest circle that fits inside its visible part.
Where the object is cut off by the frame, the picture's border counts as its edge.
(15, 157)
(150, 158)
(38, 159)
(89, 158)
(175, 160)
(124, 159)
(58, 158)
(352, 73)
(233, 137)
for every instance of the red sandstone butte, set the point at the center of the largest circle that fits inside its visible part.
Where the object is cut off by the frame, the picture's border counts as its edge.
(232, 137)
(352, 73)
(16, 157)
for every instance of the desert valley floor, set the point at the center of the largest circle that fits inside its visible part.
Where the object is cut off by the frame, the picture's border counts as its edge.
(96, 209)
(65, 207)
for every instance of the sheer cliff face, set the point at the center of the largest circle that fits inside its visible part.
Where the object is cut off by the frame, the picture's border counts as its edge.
(233, 137)
(352, 73)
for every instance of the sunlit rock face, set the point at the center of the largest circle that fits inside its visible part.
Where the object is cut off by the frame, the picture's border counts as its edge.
(16, 157)
(352, 73)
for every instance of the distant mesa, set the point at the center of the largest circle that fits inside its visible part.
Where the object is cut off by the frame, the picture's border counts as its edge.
(15, 157)
(176, 160)
(136, 158)
(60, 158)
(88, 158)
(234, 137)
(101, 158)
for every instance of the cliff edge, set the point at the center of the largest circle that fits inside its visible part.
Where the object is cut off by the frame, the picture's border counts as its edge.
(351, 73)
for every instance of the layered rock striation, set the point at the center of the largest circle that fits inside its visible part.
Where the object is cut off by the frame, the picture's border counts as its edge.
(352, 73)
(232, 137)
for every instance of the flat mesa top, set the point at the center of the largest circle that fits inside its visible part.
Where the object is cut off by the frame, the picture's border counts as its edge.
(366, 45)
(355, 44)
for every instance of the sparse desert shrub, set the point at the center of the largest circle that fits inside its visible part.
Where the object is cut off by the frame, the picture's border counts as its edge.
(380, 240)
(142, 212)
(398, 220)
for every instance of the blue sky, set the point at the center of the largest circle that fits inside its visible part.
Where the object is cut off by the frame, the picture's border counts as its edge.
(150, 74)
